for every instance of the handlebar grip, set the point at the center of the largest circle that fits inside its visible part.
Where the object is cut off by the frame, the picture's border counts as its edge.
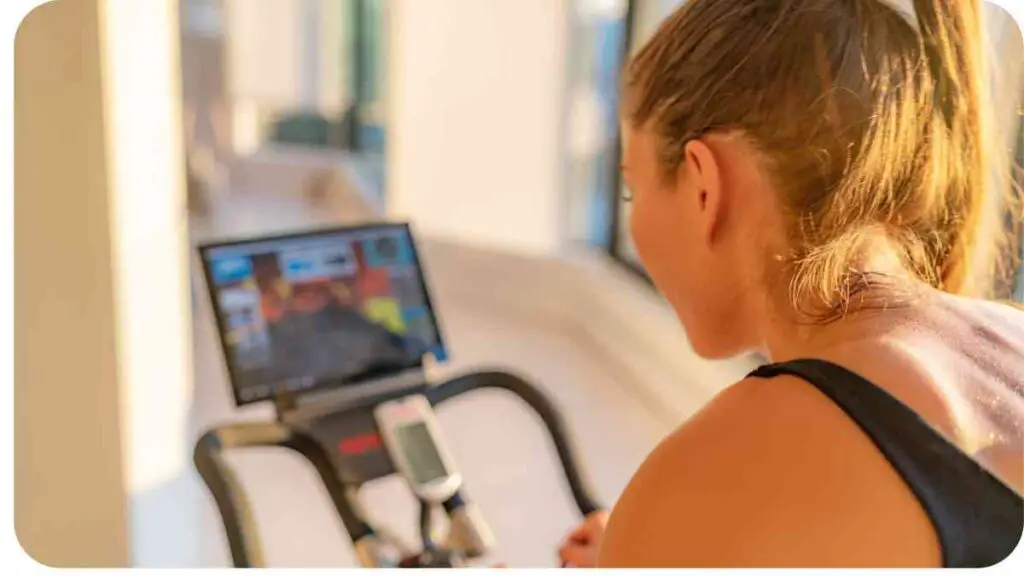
(579, 484)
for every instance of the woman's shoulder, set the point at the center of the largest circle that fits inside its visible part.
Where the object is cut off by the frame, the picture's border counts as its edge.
(769, 473)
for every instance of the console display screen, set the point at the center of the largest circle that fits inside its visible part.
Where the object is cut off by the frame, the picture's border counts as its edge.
(420, 451)
(320, 309)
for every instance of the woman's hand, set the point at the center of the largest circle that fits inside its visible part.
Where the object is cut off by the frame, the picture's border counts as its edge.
(580, 547)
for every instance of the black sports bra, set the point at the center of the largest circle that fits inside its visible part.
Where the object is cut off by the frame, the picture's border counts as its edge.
(978, 519)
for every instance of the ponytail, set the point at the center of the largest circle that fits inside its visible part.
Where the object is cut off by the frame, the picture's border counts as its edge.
(973, 262)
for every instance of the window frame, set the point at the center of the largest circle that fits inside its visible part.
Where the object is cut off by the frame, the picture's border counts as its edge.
(615, 246)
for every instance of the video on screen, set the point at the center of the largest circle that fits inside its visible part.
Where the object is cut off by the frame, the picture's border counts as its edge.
(307, 311)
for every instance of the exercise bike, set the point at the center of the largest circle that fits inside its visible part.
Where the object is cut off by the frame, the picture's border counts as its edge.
(359, 407)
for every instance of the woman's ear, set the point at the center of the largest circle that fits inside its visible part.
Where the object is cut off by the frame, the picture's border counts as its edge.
(699, 180)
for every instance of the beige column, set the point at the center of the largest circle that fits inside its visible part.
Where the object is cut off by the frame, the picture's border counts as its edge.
(102, 349)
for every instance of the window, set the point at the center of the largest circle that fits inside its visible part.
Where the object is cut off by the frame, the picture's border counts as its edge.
(308, 74)
(601, 32)
(644, 18)
(598, 36)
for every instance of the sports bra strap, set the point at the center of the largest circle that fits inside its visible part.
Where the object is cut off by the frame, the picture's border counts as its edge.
(978, 519)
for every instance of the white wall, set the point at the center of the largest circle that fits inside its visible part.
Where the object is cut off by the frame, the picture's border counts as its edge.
(102, 364)
(475, 120)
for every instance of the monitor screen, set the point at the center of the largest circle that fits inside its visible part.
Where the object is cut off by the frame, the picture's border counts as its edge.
(421, 453)
(320, 309)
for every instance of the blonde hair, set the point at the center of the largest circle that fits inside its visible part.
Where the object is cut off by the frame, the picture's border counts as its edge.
(873, 129)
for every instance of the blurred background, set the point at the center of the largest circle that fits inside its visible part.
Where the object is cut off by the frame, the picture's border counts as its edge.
(145, 128)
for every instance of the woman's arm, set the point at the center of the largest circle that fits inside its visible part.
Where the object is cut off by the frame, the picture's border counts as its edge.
(770, 473)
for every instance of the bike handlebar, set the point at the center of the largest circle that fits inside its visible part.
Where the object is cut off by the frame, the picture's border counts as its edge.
(579, 484)
(233, 505)
(235, 511)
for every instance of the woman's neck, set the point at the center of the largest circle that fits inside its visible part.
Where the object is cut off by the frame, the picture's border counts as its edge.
(787, 333)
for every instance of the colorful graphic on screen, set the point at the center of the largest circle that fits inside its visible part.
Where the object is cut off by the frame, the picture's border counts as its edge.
(302, 312)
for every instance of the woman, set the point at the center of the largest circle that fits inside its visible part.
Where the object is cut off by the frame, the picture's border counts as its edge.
(808, 181)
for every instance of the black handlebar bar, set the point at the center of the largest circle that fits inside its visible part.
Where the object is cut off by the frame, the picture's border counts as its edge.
(579, 484)
(236, 513)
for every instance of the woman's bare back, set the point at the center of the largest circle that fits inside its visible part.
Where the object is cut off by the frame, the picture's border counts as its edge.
(772, 473)
(958, 363)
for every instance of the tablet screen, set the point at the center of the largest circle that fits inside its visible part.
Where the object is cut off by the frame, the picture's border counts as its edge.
(321, 309)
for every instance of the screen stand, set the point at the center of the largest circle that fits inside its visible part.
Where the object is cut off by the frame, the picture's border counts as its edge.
(284, 401)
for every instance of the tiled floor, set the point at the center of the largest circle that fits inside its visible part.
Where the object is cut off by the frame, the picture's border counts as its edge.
(505, 456)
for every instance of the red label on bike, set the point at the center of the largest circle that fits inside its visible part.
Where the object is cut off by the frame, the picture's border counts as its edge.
(361, 444)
